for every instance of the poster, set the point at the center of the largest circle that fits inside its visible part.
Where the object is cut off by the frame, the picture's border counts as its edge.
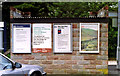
(62, 38)
(21, 38)
(42, 38)
(89, 38)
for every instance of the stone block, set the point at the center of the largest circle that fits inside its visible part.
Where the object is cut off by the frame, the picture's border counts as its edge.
(58, 62)
(75, 53)
(34, 62)
(59, 71)
(46, 54)
(75, 34)
(101, 67)
(28, 57)
(46, 62)
(65, 57)
(53, 57)
(76, 44)
(96, 62)
(75, 48)
(48, 71)
(102, 57)
(104, 34)
(104, 39)
(103, 52)
(53, 66)
(74, 25)
(89, 57)
(23, 61)
(77, 66)
(107, 53)
(83, 62)
(95, 72)
(104, 62)
(104, 30)
(75, 30)
(103, 44)
(35, 54)
(104, 25)
(71, 62)
(90, 66)
(65, 66)
(76, 39)
(77, 57)
(16, 57)
(105, 48)
(72, 71)
(84, 71)
(40, 57)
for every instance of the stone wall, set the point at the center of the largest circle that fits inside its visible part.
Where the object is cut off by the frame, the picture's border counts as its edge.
(74, 62)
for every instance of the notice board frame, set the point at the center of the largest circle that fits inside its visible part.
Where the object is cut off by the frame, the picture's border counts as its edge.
(60, 20)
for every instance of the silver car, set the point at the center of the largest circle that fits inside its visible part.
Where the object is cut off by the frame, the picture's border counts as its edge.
(11, 68)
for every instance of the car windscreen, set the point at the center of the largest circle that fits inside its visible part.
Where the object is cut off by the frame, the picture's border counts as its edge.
(5, 63)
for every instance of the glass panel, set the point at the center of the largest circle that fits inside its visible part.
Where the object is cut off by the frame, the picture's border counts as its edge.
(5, 63)
(114, 22)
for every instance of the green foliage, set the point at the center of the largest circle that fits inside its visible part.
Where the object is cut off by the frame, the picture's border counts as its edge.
(8, 55)
(64, 9)
(89, 45)
(89, 33)
(112, 40)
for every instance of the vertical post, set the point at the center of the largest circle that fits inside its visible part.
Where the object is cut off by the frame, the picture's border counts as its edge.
(118, 41)
(5, 37)
(1, 35)
(0, 11)
(1, 28)
(1, 39)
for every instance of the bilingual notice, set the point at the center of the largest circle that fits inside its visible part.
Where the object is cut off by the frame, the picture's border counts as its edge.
(21, 38)
(42, 38)
(62, 38)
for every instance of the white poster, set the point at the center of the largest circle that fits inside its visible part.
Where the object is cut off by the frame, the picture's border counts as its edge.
(42, 38)
(62, 38)
(21, 38)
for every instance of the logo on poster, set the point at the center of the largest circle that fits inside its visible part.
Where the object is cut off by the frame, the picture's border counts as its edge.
(59, 31)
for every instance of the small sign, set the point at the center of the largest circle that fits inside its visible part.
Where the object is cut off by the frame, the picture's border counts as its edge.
(1, 24)
(113, 14)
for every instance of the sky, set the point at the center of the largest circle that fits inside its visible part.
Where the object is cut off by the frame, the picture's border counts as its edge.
(95, 27)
